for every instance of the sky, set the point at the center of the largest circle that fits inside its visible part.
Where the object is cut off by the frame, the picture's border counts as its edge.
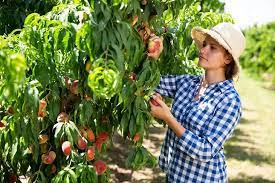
(249, 12)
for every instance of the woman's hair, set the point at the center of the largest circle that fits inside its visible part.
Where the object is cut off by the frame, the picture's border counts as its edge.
(230, 68)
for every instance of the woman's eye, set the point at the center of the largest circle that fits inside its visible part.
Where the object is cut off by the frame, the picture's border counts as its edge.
(212, 47)
(203, 44)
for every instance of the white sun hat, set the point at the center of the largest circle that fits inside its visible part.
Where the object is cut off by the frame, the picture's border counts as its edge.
(227, 35)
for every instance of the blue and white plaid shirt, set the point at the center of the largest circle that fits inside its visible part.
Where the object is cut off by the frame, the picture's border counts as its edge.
(198, 155)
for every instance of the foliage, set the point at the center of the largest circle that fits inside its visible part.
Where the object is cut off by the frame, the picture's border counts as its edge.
(80, 73)
(14, 12)
(259, 54)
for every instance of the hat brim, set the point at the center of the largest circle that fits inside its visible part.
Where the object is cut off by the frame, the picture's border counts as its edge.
(199, 34)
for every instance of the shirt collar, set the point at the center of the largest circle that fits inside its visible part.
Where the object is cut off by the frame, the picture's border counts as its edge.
(225, 85)
(222, 86)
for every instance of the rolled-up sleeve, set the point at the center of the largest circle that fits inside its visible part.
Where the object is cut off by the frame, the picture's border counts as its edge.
(169, 84)
(219, 129)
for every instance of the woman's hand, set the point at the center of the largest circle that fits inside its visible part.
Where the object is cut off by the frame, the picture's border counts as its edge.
(159, 109)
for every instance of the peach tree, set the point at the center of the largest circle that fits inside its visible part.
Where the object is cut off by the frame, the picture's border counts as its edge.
(73, 77)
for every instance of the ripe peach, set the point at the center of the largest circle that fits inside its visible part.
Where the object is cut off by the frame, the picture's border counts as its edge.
(42, 108)
(48, 158)
(100, 167)
(136, 137)
(98, 144)
(90, 154)
(66, 148)
(90, 135)
(155, 47)
(81, 143)
(103, 136)
(62, 117)
(74, 87)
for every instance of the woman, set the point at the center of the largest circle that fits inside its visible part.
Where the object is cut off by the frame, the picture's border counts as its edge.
(205, 109)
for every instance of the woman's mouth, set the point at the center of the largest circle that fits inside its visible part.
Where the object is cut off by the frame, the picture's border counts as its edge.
(201, 57)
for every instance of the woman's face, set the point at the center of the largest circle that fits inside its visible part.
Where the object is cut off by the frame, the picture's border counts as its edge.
(212, 55)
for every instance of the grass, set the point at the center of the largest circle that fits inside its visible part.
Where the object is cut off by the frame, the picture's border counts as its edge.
(251, 150)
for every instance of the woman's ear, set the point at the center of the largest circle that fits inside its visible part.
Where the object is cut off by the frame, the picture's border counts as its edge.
(228, 58)
(227, 61)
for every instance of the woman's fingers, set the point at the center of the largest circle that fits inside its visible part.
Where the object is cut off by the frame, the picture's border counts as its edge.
(158, 95)
(158, 100)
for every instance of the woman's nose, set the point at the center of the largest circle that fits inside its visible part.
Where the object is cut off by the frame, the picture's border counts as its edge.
(203, 50)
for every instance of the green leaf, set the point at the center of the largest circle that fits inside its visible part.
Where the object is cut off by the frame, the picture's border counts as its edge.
(73, 176)
(53, 108)
(132, 126)
(139, 118)
(14, 150)
(68, 133)
(119, 58)
(58, 133)
(138, 159)
(32, 19)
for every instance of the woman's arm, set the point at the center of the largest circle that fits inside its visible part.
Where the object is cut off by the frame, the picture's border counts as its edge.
(163, 112)
(169, 84)
(219, 129)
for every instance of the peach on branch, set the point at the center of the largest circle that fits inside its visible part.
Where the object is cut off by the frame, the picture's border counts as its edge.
(66, 148)
(136, 137)
(74, 87)
(42, 108)
(155, 47)
(103, 136)
(62, 117)
(48, 158)
(90, 135)
(81, 143)
(98, 144)
(100, 167)
(90, 154)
